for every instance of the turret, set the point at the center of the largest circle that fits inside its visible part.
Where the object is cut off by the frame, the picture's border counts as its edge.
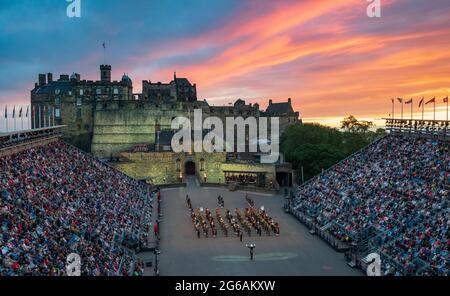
(105, 73)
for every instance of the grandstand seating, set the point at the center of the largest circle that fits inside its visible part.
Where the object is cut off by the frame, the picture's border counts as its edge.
(394, 194)
(56, 199)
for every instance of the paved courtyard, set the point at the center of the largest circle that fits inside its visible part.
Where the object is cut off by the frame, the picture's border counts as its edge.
(294, 252)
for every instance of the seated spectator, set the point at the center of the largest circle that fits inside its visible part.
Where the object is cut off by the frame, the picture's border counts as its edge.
(397, 186)
(56, 200)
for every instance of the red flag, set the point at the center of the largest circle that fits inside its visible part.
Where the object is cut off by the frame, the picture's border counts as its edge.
(400, 100)
(421, 102)
(431, 101)
(446, 99)
(409, 101)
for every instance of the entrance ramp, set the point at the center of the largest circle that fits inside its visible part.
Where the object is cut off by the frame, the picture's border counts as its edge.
(192, 181)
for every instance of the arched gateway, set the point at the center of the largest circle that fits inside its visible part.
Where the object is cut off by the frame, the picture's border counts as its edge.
(189, 168)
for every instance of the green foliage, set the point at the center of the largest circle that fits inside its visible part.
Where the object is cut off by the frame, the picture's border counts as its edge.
(317, 147)
(352, 124)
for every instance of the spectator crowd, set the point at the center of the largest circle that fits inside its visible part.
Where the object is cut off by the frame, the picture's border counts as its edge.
(396, 192)
(56, 200)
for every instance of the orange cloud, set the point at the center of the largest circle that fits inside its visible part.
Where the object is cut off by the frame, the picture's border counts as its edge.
(335, 72)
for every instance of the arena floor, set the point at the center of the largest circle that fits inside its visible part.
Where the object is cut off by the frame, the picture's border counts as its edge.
(294, 252)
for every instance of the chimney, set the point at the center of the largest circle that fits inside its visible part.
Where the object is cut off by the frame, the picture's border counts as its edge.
(49, 77)
(289, 101)
(41, 79)
(270, 102)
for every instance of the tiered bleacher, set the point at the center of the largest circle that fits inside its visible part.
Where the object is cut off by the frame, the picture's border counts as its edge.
(393, 196)
(56, 200)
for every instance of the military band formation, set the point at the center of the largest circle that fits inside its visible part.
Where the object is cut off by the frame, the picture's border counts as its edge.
(250, 221)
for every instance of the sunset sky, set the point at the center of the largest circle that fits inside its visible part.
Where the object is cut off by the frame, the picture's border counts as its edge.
(328, 56)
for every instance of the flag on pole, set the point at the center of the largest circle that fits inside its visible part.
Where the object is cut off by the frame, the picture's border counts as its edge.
(421, 102)
(400, 100)
(409, 101)
(446, 101)
(433, 100)
(104, 52)
(14, 111)
(6, 111)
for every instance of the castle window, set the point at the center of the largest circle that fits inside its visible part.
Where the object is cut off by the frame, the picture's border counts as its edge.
(116, 91)
(79, 102)
(202, 164)
(78, 113)
(178, 164)
(57, 101)
(98, 91)
(81, 92)
(57, 113)
(70, 92)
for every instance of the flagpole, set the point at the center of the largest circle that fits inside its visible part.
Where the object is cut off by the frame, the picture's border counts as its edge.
(14, 116)
(402, 109)
(104, 52)
(423, 106)
(434, 110)
(6, 117)
(412, 103)
(447, 109)
(21, 119)
(393, 109)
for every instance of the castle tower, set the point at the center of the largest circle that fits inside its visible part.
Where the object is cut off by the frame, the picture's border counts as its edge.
(105, 73)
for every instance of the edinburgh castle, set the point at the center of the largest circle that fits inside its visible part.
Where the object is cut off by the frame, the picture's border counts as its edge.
(132, 131)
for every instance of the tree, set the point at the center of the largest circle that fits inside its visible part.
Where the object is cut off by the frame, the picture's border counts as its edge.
(352, 124)
(316, 147)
